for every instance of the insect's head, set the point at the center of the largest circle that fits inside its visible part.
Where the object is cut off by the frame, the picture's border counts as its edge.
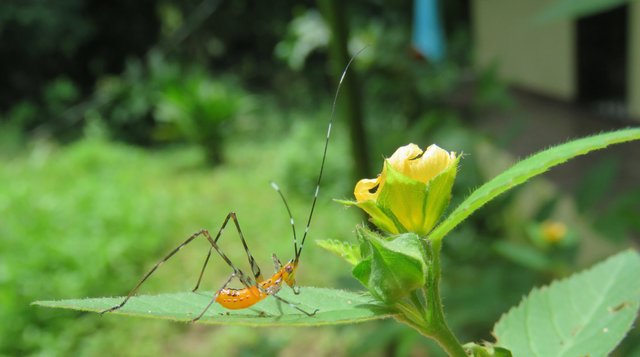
(289, 275)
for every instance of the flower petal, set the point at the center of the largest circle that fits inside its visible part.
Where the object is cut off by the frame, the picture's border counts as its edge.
(366, 189)
(431, 163)
(402, 157)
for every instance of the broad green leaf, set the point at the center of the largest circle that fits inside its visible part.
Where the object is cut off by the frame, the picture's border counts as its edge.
(334, 307)
(392, 268)
(585, 315)
(528, 168)
(572, 9)
(348, 251)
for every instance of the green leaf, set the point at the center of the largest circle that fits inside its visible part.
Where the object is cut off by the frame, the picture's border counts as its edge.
(348, 251)
(572, 9)
(528, 168)
(391, 268)
(585, 315)
(334, 307)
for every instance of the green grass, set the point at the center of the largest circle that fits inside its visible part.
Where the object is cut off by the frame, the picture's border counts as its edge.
(88, 219)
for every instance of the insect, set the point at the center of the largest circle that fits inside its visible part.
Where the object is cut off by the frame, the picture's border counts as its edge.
(255, 287)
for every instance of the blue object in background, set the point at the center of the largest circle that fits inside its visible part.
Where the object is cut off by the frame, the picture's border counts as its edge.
(428, 35)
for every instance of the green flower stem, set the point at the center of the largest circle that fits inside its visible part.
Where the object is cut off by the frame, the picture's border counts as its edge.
(431, 322)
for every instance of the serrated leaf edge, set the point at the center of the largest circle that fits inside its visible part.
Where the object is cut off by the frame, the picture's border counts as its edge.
(541, 289)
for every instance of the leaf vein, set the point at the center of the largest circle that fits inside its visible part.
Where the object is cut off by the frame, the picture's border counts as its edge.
(595, 308)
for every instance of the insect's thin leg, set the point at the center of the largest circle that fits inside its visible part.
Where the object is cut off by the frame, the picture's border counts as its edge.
(206, 261)
(215, 296)
(255, 269)
(246, 281)
(236, 273)
(202, 271)
(155, 267)
(294, 306)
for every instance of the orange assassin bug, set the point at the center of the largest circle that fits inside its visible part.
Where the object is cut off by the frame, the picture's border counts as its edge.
(255, 288)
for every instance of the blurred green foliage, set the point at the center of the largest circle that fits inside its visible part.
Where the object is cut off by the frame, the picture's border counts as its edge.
(614, 215)
(302, 152)
(198, 108)
(71, 40)
(204, 36)
(160, 101)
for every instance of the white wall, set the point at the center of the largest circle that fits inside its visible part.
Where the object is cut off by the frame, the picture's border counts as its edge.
(539, 57)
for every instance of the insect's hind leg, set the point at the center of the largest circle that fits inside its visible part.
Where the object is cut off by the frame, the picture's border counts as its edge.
(255, 269)
(133, 291)
(215, 296)
(204, 266)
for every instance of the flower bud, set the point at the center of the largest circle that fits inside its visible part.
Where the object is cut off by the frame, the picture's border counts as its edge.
(412, 191)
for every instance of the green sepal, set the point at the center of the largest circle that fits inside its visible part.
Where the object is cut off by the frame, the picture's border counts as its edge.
(377, 215)
(439, 195)
(486, 350)
(381, 217)
(414, 206)
(362, 272)
(402, 198)
(348, 251)
(392, 267)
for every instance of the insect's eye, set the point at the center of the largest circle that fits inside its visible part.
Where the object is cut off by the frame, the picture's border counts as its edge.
(288, 268)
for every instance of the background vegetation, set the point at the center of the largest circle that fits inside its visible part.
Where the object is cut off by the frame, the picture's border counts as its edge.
(126, 127)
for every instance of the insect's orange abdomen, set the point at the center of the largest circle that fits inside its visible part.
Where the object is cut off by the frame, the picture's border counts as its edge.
(235, 299)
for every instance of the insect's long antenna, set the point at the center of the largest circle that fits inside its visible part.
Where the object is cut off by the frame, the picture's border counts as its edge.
(293, 226)
(324, 153)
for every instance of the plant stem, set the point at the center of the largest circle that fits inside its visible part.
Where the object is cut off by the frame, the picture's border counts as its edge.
(433, 323)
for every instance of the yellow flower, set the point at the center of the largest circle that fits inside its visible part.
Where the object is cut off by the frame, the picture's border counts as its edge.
(412, 191)
(553, 231)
